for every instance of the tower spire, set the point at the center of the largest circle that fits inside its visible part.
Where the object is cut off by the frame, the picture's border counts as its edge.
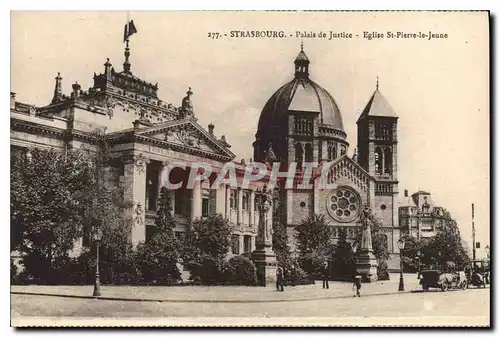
(57, 89)
(377, 82)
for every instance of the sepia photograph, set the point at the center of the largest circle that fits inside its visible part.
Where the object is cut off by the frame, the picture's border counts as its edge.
(250, 169)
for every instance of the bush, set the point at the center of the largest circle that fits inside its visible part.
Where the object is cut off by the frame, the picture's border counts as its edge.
(157, 259)
(209, 271)
(242, 271)
(115, 267)
(297, 276)
(382, 273)
(206, 248)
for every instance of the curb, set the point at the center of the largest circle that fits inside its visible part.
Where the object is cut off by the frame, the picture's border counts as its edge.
(107, 298)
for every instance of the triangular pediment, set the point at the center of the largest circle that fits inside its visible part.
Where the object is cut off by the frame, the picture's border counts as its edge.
(187, 134)
(346, 168)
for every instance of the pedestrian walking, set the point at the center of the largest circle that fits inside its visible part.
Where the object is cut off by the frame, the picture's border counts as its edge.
(357, 285)
(279, 278)
(325, 275)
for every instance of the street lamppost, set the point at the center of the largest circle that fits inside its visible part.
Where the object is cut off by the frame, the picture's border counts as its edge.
(97, 283)
(401, 246)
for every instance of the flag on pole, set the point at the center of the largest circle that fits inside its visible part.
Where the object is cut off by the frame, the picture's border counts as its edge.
(129, 30)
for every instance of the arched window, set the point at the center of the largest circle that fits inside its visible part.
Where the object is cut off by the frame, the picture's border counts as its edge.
(299, 154)
(309, 152)
(378, 160)
(388, 160)
(332, 151)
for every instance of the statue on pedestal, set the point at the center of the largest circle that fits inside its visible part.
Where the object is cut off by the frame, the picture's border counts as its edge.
(366, 263)
(264, 256)
(366, 240)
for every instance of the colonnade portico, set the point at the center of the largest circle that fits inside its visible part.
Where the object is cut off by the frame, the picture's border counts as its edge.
(136, 182)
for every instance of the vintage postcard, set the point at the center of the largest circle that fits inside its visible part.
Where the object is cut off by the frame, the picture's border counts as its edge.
(252, 169)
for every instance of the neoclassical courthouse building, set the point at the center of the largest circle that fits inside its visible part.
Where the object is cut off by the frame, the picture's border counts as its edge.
(300, 122)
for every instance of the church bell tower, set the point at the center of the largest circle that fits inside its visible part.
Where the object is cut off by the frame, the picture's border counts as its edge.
(377, 138)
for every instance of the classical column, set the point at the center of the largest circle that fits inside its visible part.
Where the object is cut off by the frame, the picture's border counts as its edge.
(252, 243)
(251, 208)
(220, 197)
(134, 189)
(239, 196)
(241, 244)
(228, 201)
(196, 200)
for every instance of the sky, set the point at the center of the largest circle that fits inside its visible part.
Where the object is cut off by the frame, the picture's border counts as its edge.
(439, 88)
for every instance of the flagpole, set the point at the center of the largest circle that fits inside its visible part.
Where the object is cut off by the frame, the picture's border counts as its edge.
(126, 64)
(473, 236)
(128, 20)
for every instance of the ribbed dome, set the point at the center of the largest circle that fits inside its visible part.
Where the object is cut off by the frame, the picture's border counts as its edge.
(301, 94)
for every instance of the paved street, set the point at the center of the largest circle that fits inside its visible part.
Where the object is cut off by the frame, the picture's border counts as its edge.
(224, 294)
(460, 307)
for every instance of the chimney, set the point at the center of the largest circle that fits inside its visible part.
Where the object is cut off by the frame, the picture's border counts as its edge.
(12, 100)
(76, 90)
(406, 193)
(211, 128)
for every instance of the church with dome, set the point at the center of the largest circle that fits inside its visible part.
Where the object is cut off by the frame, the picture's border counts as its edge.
(300, 123)
(303, 124)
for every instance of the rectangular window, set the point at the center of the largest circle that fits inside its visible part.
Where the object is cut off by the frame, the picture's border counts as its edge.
(182, 203)
(150, 231)
(248, 243)
(205, 208)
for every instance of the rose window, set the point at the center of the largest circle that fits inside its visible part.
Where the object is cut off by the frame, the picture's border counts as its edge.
(343, 205)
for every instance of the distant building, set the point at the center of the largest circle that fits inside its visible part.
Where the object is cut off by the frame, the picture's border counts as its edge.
(420, 217)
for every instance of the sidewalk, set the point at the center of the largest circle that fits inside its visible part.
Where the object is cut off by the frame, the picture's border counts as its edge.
(224, 294)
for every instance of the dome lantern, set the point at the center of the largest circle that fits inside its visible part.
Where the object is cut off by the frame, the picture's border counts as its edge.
(302, 64)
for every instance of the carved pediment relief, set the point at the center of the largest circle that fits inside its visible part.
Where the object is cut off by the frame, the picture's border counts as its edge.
(187, 134)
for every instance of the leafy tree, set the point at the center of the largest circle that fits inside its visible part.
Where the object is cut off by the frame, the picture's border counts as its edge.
(446, 246)
(314, 242)
(103, 206)
(60, 196)
(409, 255)
(207, 246)
(46, 208)
(159, 256)
(280, 244)
(343, 259)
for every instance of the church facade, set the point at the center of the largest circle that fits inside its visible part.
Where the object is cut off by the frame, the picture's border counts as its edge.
(300, 123)
(303, 124)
